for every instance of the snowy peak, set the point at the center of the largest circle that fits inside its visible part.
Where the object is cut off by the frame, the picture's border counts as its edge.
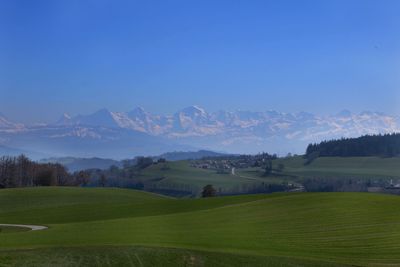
(195, 121)
(102, 117)
(6, 124)
(193, 111)
(138, 114)
(65, 119)
(230, 131)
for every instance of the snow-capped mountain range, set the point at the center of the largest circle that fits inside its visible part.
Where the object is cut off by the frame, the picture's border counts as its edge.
(138, 132)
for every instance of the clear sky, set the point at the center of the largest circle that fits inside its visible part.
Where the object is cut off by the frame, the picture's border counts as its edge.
(77, 56)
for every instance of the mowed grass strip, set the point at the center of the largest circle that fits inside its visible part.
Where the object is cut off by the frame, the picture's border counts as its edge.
(346, 228)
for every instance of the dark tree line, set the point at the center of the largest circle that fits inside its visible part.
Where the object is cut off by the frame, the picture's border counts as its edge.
(338, 184)
(387, 145)
(22, 172)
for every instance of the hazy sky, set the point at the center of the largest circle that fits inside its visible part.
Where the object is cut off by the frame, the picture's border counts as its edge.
(79, 56)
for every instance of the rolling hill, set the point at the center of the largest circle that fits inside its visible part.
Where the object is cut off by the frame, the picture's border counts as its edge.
(181, 174)
(111, 227)
(342, 167)
(190, 180)
(77, 164)
(186, 155)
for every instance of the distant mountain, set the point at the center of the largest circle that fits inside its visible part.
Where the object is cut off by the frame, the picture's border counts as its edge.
(175, 156)
(65, 119)
(78, 164)
(102, 118)
(5, 124)
(89, 141)
(121, 135)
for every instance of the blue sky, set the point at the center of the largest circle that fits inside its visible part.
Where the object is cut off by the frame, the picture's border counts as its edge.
(79, 56)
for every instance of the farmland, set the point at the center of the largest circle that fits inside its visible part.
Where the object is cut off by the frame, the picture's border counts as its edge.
(117, 227)
(363, 170)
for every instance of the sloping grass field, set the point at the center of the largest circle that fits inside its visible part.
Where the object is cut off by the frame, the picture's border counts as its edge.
(347, 167)
(295, 170)
(115, 227)
(181, 173)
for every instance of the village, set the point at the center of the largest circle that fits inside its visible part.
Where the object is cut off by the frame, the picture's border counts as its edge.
(228, 164)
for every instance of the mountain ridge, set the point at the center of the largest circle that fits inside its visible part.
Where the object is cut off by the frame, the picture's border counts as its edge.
(138, 131)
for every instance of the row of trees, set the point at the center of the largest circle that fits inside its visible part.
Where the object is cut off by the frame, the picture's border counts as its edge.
(343, 184)
(334, 184)
(387, 145)
(128, 176)
(22, 172)
(210, 190)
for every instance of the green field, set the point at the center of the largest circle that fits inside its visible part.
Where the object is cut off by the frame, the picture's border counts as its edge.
(12, 229)
(182, 175)
(114, 227)
(358, 167)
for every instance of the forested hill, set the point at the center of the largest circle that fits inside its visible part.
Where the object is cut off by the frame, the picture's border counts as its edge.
(387, 145)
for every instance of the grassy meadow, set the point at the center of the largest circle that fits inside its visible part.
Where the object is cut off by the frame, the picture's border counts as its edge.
(357, 167)
(182, 176)
(295, 171)
(180, 172)
(116, 227)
